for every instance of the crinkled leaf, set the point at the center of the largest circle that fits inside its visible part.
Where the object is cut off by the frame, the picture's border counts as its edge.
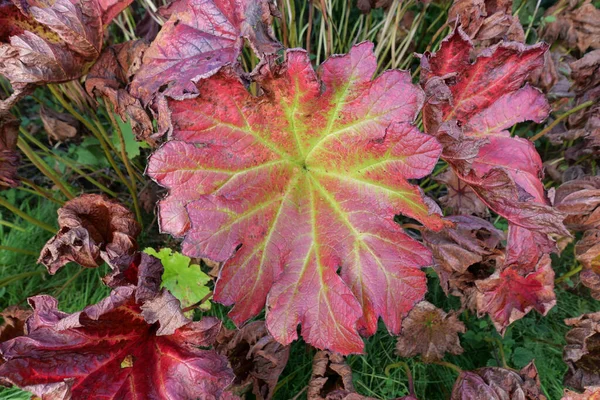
(471, 106)
(508, 296)
(582, 352)
(14, 323)
(460, 199)
(256, 358)
(494, 383)
(289, 186)
(113, 350)
(109, 78)
(200, 37)
(185, 281)
(92, 228)
(487, 22)
(52, 41)
(463, 253)
(580, 200)
(430, 332)
(331, 379)
(577, 24)
(591, 393)
(9, 157)
(60, 127)
(587, 252)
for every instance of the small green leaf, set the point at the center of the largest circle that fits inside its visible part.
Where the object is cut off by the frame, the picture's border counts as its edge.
(522, 356)
(185, 281)
(132, 146)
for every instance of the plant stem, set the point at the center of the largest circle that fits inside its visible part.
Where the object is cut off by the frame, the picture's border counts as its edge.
(568, 274)
(69, 164)
(26, 217)
(448, 365)
(560, 118)
(411, 384)
(38, 191)
(44, 168)
(11, 225)
(20, 251)
(132, 188)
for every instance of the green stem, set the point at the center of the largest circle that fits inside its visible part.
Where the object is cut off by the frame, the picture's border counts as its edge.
(44, 168)
(38, 191)
(568, 274)
(20, 251)
(7, 281)
(411, 384)
(26, 217)
(11, 225)
(560, 118)
(448, 365)
(69, 164)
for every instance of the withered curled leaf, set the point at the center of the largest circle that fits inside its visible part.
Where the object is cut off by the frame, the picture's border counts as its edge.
(9, 158)
(430, 332)
(582, 352)
(576, 23)
(256, 358)
(591, 393)
(487, 21)
(580, 201)
(92, 229)
(60, 127)
(331, 379)
(43, 41)
(14, 323)
(109, 78)
(495, 383)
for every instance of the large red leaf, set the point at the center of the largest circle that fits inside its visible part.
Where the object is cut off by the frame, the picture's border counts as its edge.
(200, 37)
(471, 105)
(130, 345)
(290, 186)
(52, 41)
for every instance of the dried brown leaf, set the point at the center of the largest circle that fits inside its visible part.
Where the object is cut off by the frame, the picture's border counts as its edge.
(582, 352)
(495, 383)
(256, 358)
(92, 228)
(430, 332)
(580, 201)
(60, 127)
(14, 323)
(576, 25)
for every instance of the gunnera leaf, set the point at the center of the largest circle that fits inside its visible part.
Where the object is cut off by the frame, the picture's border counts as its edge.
(289, 187)
(582, 352)
(50, 41)
(116, 349)
(470, 107)
(495, 383)
(92, 229)
(200, 37)
(256, 358)
(429, 332)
